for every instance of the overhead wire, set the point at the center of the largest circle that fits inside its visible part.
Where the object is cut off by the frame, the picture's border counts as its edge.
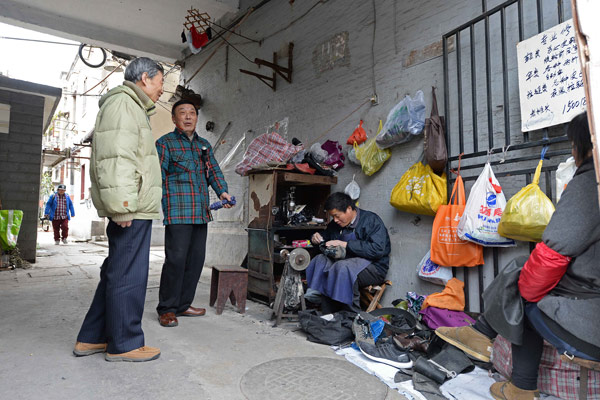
(103, 79)
(294, 20)
(40, 41)
(373, 49)
(236, 49)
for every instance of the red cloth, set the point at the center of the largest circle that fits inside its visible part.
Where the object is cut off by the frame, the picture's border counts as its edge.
(199, 40)
(542, 272)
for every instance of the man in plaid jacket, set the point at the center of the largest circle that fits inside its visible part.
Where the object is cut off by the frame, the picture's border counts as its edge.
(188, 167)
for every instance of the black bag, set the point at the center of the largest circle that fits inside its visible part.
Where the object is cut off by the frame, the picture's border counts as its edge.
(504, 307)
(335, 332)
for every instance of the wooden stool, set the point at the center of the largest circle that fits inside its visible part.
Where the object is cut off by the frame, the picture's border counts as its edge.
(370, 295)
(228, 281)
(584, 367)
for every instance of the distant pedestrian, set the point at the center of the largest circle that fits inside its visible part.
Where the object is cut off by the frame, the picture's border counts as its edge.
(59, 210)
(126, 188)
(188, 169)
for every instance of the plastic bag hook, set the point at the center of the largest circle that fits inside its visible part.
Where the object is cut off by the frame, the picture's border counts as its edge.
(544, 151)
(504, 151)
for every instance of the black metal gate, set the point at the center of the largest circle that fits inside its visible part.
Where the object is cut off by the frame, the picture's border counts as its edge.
(479, 67)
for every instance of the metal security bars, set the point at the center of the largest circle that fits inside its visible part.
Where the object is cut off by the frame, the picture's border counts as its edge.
(481, 103)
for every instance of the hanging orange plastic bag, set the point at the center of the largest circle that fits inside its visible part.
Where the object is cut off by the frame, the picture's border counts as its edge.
(447, 249)
(528, 212)
(419, 191)
(359, 136)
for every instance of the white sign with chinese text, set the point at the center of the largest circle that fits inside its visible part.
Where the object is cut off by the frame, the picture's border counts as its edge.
(550, 79)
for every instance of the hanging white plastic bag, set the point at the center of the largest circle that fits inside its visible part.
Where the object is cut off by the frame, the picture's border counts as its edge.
(318, 154)
(352, 189)
(404, 121)
(484, 208)
(564, 174)
(431, 272)
(352, 156)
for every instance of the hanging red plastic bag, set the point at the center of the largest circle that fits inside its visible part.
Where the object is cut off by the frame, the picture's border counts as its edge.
(528, 212)
(359, 136)
(479, 223)
(447, 249)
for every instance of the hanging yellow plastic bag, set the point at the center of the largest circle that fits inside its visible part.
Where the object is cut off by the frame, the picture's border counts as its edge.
(527, 213)
(371, 157)
(420, 191)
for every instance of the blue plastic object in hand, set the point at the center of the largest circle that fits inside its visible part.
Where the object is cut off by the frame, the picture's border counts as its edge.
(219, 204)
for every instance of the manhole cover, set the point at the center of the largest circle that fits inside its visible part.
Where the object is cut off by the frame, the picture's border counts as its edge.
(310, 378)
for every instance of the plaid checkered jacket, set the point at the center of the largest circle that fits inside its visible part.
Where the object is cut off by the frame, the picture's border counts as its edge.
(185, 188)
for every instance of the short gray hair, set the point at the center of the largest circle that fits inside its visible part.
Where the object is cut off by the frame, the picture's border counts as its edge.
(137, 67)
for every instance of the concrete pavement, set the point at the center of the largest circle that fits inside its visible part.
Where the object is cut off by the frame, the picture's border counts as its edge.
(203, 358)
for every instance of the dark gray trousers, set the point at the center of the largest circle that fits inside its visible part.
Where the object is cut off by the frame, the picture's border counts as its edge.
(115, 316)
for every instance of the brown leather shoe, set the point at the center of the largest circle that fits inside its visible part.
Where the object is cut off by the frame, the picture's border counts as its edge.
(144, 353)
(168, 320)
(507, 391)
(469, 340)
(85, 349)
(193, 312)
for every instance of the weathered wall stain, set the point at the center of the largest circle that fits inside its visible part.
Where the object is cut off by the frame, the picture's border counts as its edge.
(332, 53)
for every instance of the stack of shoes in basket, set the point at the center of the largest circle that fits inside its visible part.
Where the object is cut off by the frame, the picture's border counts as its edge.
(381, 351)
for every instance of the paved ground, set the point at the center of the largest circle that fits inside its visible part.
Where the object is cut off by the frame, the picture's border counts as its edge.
(203, 358)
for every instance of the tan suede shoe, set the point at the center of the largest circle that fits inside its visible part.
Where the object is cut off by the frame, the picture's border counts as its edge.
(85, 349)
(469, 340)
(508, 391)
(144, 353)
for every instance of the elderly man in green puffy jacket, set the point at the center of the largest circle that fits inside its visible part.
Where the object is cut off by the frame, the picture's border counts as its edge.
(126, 188)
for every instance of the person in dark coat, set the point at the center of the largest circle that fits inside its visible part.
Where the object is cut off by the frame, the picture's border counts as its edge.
(356, 249)
(550, 295)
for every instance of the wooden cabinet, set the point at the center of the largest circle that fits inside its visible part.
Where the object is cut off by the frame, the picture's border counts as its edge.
(268, 190)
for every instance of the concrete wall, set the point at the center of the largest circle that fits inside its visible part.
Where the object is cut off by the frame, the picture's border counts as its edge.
(20, 164)
(336, 68)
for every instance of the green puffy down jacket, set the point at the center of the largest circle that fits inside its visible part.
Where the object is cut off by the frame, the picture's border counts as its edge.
(125, 171)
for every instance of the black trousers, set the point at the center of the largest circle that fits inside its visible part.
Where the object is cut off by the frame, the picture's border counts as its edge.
(525, 358)
(366, 277)
(185, 248)
(115, 316)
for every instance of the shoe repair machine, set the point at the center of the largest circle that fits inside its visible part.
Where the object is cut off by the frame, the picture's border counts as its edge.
(290, 294)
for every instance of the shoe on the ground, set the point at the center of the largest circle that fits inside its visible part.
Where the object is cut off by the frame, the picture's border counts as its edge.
(469, 340)
(65, 241)
(85, 349)
(192, 312)
(386, 353)
(168, 320)
(57, 242)
(144, 353)
(507, 391)
(361, 327)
